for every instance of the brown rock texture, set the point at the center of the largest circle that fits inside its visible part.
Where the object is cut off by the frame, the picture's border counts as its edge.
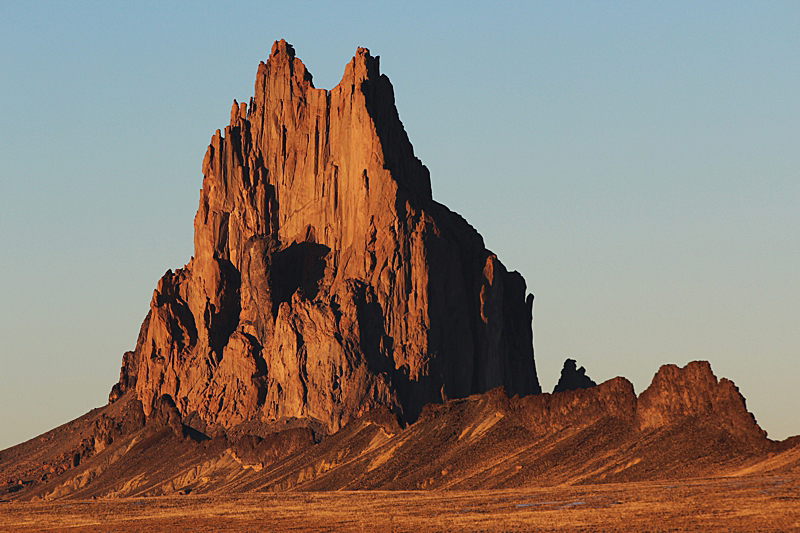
(325, 280)
(694, 391)
(579, 407)
(484, 441)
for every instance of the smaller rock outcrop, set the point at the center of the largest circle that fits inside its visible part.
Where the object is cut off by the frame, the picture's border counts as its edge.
(694, 391)
(573, 378)
(261, 451)
(165, 413)
(119, 422)
(578, 407)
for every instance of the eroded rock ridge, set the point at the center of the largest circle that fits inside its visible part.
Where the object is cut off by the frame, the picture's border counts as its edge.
(325, 280)
(687, 423)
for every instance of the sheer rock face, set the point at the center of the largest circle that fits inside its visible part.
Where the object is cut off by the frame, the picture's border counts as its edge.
(325, 280)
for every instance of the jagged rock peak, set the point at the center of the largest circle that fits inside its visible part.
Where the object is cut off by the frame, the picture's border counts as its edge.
(326, 281)
(694, 391)
(573, 378)
(281, 47)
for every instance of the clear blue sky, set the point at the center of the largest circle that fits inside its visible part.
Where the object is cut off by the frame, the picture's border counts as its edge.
(637, 162)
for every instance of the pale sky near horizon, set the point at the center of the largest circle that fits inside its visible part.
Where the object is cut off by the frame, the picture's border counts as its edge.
(637, 162)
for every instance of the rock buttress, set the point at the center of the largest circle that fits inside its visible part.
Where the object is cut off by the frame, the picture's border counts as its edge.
(325, 280)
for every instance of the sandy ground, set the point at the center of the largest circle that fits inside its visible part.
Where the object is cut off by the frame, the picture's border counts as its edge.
(764, 503)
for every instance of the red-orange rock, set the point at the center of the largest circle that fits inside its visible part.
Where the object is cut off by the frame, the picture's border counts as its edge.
(693, 391)
(579, 407)
(326, 280)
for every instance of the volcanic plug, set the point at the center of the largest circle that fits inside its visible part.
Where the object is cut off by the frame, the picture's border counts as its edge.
(325, 280)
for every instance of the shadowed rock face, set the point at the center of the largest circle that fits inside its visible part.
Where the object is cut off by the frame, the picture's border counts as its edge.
(325, 279)
(573, 378)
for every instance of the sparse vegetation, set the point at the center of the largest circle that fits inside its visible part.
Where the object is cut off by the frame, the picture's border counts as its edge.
(745, 504)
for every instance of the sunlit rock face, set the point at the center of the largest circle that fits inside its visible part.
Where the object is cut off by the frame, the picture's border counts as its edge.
(325, 279)
(694, 391)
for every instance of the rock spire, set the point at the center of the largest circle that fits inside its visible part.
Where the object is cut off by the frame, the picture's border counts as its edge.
(573, 378)
(325, 280)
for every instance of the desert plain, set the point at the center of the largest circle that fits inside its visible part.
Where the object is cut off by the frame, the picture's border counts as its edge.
(745, 504)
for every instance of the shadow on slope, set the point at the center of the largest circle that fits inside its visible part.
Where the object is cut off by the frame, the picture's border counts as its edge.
(686, 424)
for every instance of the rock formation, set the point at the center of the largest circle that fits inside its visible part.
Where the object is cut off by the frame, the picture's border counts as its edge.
(685, 424)
(327, 284)
(573, 378)
(325, 280)
(693, 391)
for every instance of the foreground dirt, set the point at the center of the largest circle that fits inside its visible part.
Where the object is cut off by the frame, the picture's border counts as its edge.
(751, 503)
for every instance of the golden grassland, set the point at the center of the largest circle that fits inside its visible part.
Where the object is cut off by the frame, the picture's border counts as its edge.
(750, 503)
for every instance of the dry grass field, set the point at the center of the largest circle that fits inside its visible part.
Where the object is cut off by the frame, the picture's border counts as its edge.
(744, 504)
